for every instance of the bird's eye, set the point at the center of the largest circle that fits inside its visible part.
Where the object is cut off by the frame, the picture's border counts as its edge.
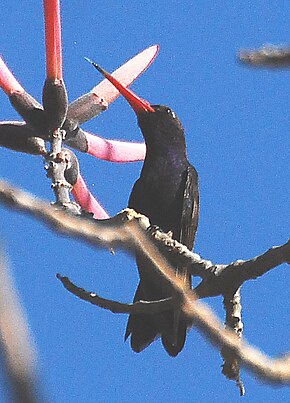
(170, 112)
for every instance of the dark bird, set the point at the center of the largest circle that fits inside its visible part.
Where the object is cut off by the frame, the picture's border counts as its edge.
(167, 193)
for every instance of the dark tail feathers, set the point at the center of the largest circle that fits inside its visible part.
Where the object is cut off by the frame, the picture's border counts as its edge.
(144, 329)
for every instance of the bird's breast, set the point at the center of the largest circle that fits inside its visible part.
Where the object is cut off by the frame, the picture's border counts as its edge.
(159, 193)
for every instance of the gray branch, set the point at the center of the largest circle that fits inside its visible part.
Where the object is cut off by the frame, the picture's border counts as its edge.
(268, 56)
(231, 366)
(129, 231)
(57, 167)
(148, 307)
(16, 346)
(218, 279)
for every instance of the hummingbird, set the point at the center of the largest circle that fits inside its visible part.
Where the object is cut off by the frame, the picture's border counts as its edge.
(167, 193)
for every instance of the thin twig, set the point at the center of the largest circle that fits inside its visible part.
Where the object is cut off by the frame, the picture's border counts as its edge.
(231, 366)
(148, 307)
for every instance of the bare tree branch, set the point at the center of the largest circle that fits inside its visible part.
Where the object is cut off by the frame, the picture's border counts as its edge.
(108, 233)
(57, 166)
(180, 254)
(231, 366)
(17, 349)
(95, 232)
(271, 370)
(149, 307)
(221, 278)
(127, 230)
(218, 279)
(268, 56)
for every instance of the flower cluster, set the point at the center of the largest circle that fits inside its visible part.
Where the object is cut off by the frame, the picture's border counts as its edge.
(55, 115)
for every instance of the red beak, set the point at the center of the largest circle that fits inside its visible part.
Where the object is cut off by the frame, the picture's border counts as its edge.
(138, 104)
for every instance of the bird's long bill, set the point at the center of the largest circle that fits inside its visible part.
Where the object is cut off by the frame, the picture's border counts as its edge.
(138, 104)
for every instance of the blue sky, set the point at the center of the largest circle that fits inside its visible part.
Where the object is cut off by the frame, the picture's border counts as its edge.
(237, 128)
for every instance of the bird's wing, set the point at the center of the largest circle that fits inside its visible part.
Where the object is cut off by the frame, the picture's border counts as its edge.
(138, 202)
(190, 208)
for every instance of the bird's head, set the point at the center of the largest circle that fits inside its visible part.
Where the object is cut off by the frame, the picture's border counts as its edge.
(159, 124)
(161, 127)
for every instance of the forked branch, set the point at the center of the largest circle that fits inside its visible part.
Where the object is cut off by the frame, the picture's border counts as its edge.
(128, 230)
